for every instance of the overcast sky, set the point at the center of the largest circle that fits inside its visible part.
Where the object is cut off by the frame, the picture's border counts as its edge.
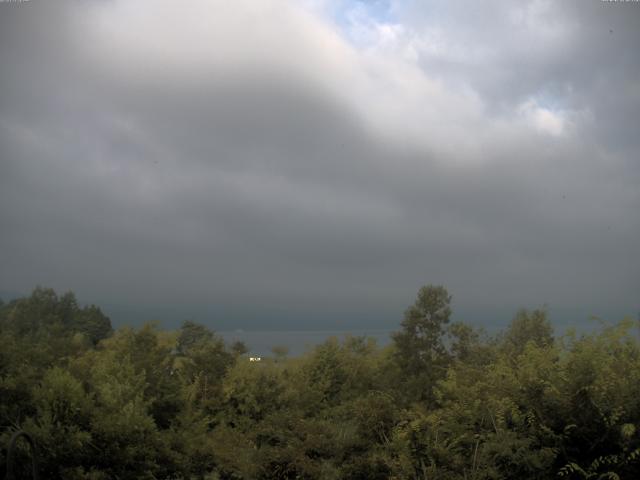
(312, 163)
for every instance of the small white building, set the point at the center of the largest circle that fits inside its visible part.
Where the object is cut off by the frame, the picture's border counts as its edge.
(254, 359)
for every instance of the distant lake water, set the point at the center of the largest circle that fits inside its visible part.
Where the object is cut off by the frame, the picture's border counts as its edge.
(260, 343)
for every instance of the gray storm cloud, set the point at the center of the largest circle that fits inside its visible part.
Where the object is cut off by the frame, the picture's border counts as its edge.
(266, 161)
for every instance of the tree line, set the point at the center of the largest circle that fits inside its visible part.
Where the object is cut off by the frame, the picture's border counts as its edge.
(442, 401)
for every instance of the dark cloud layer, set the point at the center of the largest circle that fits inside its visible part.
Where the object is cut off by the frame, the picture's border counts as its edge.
(250, 166)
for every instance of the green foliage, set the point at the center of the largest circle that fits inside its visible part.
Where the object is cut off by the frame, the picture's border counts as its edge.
(62, 422)
(528, 327)
(442, 401)
(420, 350)
(45, 314)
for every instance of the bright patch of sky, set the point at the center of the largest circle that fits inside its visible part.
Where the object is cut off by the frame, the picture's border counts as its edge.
(358, 19)
(543, 119)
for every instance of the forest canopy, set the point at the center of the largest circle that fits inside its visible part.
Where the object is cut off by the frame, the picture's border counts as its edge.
(443, 400)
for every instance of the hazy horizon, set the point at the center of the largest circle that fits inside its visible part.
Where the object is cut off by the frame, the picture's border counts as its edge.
(231, 321)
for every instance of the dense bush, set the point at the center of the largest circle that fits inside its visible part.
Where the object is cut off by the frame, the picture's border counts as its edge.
(442, 401)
